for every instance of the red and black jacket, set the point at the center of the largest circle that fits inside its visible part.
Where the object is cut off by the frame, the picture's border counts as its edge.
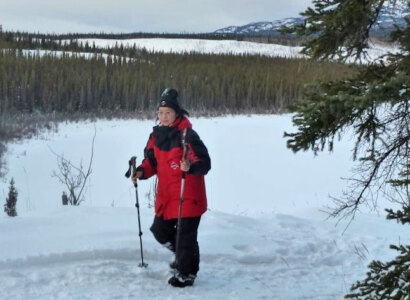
(162, 156)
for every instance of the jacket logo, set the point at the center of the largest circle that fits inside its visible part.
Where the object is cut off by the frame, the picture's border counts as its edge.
(174, 166)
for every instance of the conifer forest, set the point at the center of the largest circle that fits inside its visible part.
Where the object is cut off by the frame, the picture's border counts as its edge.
(119, 80)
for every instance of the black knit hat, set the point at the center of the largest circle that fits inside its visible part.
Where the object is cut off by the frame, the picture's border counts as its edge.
(169, 99)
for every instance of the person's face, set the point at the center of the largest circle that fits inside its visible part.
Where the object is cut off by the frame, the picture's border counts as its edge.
(166, 116)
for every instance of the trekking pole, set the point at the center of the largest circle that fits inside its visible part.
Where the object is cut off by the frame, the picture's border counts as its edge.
(132, 165)
(181, 201)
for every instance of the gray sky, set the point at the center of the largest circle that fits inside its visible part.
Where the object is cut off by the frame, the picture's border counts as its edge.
(177, 16)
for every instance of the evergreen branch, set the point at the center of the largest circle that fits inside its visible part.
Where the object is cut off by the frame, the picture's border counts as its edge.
(349, 208)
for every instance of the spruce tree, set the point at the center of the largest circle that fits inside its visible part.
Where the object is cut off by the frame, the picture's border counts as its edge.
(374, 104)
(11, 201)
(387, 280)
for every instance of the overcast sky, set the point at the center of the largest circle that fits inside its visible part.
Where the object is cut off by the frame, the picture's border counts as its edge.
(172, 16)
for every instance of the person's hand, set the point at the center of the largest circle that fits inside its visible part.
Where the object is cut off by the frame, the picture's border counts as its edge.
(185, 165)
(138, 175)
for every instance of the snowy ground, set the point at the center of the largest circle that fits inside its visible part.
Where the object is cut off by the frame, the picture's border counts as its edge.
(199, 46)
(86, 55)
(220, 47)
(264, 236)
(217, 47)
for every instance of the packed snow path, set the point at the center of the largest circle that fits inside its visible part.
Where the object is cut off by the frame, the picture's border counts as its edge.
(241, 258)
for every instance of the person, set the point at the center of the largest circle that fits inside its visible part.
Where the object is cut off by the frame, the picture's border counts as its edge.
(164, 156)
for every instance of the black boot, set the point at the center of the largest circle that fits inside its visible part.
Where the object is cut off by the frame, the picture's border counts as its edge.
(181, 281)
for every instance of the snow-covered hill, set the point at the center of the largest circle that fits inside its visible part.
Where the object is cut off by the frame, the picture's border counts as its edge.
(220, 47)
(391, 13)
(264, 236)
(261, 28)
(199, 46)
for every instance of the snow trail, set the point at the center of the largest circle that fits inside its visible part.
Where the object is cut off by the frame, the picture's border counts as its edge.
(241, 258)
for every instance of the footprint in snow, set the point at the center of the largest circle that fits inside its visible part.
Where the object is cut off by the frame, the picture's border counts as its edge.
(244, 248)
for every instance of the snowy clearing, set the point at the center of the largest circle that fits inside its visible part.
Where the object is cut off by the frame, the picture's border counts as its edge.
(183, 46)
(220, 47)
(86, 55)
(199, 46)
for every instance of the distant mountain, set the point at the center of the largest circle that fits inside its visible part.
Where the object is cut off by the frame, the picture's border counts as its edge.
(260, 28)
(390, 15)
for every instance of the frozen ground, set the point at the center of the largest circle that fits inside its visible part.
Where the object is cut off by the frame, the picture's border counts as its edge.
(220, 47)
(264, 236)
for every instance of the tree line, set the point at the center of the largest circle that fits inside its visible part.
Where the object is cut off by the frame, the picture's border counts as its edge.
(73, 42)
(31, 82)
(37, 90)
(37, 39)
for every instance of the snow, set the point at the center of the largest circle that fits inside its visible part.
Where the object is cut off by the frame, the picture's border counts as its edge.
(218, 47)
(402, 91)
(199, 46)
(264, 236)
(222, 47)
(87, 55)
(260, 26)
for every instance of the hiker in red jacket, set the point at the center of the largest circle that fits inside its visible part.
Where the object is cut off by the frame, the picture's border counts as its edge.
(164, 156)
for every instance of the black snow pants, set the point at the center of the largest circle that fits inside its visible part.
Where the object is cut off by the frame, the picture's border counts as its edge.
(165, 232)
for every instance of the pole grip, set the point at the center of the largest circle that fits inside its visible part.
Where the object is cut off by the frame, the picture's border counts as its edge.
(132, 168)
